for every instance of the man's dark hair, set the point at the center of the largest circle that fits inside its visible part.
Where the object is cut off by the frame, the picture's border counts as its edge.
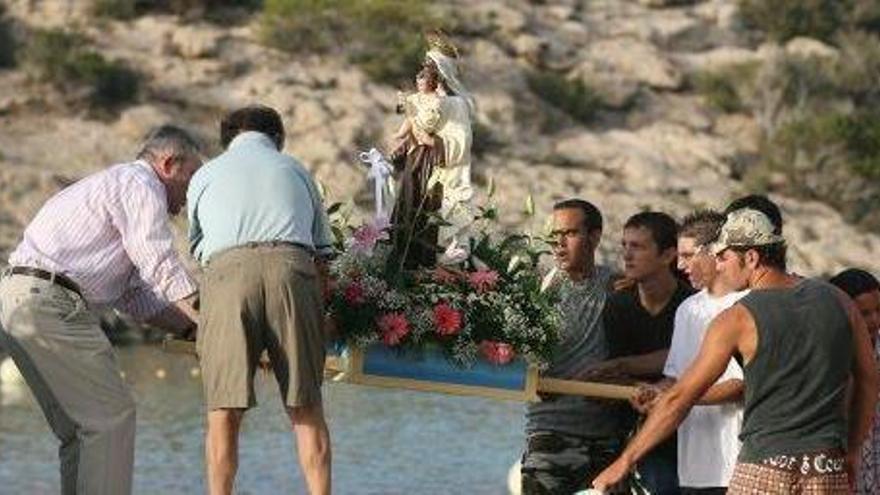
(761, 203)
(770, 255)
(855, 282)
(592, 216)
(702, 225)
(259, 118)
(663, 228)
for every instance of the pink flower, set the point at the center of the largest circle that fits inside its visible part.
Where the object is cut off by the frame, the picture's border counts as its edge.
(483, 280)
(367, 235)
(394, 327)
(354, 294)
(497, 352)
(447, 319)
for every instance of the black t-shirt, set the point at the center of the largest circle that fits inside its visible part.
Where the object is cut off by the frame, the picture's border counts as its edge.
(632, 330)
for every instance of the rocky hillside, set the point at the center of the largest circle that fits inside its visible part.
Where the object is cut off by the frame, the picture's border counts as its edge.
(609, 100)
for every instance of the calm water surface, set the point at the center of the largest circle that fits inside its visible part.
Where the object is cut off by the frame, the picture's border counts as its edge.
(384, 441)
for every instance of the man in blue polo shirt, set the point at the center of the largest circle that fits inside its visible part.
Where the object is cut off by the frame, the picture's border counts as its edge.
(258, 226)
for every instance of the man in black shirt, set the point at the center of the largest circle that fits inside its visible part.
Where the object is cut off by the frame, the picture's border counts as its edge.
(639, 322)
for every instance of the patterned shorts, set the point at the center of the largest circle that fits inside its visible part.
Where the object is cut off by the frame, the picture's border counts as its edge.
(554, 463)
(757, 479)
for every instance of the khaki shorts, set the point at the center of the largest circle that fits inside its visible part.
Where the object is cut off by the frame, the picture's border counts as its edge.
(260, 298)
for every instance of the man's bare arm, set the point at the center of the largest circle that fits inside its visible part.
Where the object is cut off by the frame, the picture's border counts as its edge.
(719, 345)
(863, 383)
(723, 393)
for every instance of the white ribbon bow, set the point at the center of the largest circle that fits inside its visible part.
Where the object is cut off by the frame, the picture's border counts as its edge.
(379, 173)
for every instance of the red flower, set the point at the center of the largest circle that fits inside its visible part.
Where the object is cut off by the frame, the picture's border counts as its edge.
(497, 352)
(483, 280)
(447, 319)
(354, 294)
(393, 327)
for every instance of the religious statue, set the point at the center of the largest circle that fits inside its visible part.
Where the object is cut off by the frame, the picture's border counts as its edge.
(432, 154)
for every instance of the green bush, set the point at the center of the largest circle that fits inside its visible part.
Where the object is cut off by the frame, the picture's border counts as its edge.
(572, 96)
(833, 157)
(115, 9)
(857, 70)
(8, 45)
(865, 14)
(383, 37)
(64, 60)
(211, 9)
(783, 20)
(722, 88)
(860, 133)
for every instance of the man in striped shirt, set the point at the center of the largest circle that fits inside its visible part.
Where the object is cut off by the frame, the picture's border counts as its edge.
(104, 242)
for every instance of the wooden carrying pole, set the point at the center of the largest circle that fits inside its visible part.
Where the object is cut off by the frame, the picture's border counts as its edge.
(339, 367)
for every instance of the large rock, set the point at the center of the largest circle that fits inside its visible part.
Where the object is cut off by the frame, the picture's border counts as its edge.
(633, 60)
(501, 15)
(809, 48)
(198, 41)
(531, 48)
(718, 58)
(616, 92)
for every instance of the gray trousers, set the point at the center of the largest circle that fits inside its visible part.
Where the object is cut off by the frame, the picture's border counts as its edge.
(70, 367)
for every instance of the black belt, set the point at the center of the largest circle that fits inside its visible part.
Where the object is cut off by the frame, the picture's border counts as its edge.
(55, 278)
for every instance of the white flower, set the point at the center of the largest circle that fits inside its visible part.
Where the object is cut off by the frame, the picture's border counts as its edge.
(514, 262)
(547, 281)
(453, 255)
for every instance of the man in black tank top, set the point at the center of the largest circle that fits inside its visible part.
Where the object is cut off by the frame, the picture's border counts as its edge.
(801, 341)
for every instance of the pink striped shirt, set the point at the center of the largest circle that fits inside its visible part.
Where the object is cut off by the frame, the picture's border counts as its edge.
(110, 234)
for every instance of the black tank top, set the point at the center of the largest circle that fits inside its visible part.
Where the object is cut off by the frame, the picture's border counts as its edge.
(795, 385)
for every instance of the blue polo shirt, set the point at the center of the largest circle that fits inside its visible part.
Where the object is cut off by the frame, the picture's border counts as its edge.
(254, 193)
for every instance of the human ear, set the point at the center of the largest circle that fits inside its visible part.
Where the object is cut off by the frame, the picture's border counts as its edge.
(752, 258)
(594, 236)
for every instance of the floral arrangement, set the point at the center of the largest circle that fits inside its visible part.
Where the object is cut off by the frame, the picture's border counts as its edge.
(485, 302)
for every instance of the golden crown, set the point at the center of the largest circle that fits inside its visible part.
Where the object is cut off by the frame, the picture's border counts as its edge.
(438, 40)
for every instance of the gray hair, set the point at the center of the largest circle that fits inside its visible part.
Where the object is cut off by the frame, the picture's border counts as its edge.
(168, 139)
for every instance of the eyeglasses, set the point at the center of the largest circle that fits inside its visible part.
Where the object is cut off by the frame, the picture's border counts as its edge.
(558, 236)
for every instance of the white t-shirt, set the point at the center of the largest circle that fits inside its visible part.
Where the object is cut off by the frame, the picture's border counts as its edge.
(708, 442)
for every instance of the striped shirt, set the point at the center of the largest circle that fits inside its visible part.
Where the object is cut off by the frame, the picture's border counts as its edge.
(110, 233)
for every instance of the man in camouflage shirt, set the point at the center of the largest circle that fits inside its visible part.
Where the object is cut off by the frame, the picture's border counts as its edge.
(571, 439)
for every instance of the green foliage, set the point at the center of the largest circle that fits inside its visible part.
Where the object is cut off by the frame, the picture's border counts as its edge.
(833, 157)
(129, 9)
(721, 88)
(8, 45)
(114, 9)
(63, 59)
(819, 116)
(783, 20)
(860, 134)
(572, 96)
(383, 37)
(858, 68)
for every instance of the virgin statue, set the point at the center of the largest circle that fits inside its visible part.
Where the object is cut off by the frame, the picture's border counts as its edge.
(432, 154)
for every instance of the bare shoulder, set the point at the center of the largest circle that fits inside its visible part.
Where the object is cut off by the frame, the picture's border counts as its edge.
(733, 322)
(735, 314)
